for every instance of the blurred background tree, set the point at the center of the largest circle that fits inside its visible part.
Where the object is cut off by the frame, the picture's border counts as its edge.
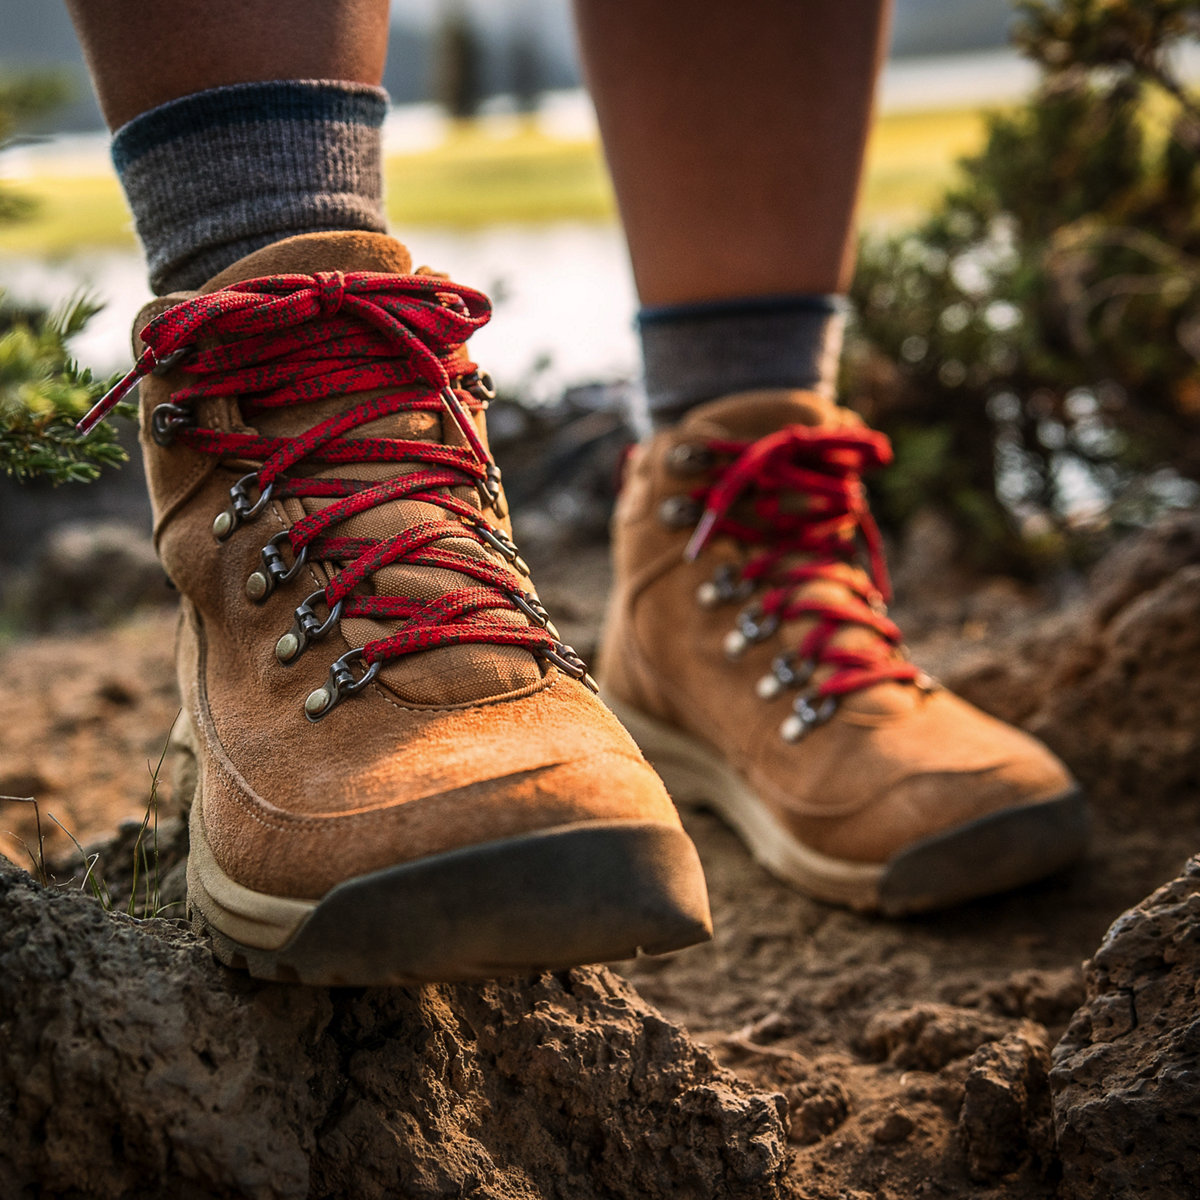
(1033, 349)
(43, 392)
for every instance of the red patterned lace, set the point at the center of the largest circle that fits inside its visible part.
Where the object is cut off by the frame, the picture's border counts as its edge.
(753, 500)
(290, 340)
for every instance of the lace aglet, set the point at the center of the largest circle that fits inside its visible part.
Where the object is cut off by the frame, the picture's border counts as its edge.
(115, 394)
(700, 535)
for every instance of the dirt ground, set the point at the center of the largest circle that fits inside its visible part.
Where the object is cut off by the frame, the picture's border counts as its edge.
(877, 1033)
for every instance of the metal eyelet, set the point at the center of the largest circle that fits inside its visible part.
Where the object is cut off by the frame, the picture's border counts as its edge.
(785, 673)
(752, 626)
(273, 572)
(686, 459)
(306, 627)
(341, 683)
(567, 661)
(804, 717)
(724, 587)
(169, 419)
(240, 508)
(480, 384)
(172, 360)
(679, 512)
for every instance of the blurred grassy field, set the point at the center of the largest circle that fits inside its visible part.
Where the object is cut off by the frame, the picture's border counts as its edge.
(476, 178)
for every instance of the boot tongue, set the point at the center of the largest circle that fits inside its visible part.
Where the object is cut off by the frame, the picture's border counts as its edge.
(450, 674)
(309, 253)
(748, 416)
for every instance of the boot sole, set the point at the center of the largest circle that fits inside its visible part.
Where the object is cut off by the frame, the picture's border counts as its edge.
(997, 852)
(583, 893)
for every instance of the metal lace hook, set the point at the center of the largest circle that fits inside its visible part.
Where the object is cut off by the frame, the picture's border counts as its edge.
(148, 363)
(240, 508)
(274, 571)
(340, 684)
(567, 661)
(307, 627)
(805, 717)
(489, 488)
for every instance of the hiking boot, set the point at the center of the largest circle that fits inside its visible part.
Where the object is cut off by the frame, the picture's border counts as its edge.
(748, 651)
(403, 775)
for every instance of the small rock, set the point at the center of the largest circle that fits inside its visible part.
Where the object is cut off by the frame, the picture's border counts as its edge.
(1112, 686)
(926, 1037)
(816, 1109)
(94, 570)
(1005, 1115)
(1048, 997)
(897, 1126)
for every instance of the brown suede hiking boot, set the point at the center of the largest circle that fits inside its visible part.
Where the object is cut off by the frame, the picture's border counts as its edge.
(402, 774)
(748, 651)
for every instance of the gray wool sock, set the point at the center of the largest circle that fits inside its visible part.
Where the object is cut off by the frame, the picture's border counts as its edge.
(697, 352)
(216, 175)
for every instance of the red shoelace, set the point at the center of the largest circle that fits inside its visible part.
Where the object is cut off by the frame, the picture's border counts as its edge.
(753, 499)
(289, 340)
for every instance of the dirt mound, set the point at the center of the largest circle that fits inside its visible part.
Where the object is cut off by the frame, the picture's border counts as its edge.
(1113, 685)
(133, 1064)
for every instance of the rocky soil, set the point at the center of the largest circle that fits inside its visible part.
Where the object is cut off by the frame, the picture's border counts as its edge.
(967, 1054)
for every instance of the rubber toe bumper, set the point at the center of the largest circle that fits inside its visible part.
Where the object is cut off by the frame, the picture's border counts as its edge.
(584, 893)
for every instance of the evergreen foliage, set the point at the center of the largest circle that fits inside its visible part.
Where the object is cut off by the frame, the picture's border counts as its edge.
(1033, 349)
(43, 392)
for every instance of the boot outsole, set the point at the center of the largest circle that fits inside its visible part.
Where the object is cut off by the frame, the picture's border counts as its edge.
(995, 853)
(584, 893)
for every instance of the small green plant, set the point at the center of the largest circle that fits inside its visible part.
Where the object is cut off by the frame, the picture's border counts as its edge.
(145, 853)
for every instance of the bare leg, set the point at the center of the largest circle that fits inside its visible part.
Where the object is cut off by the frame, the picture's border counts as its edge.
(735, 136)
(142, 55)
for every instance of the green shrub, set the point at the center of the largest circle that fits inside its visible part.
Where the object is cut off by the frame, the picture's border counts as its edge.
(1033, 349)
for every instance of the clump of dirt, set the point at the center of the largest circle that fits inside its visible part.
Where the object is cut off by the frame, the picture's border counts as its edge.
(912, 1056)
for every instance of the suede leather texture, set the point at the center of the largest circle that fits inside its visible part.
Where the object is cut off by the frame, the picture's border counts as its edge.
(895, 765)
(444, 750)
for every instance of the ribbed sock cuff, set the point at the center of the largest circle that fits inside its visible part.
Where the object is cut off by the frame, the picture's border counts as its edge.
(693, 353)
(216, 175)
